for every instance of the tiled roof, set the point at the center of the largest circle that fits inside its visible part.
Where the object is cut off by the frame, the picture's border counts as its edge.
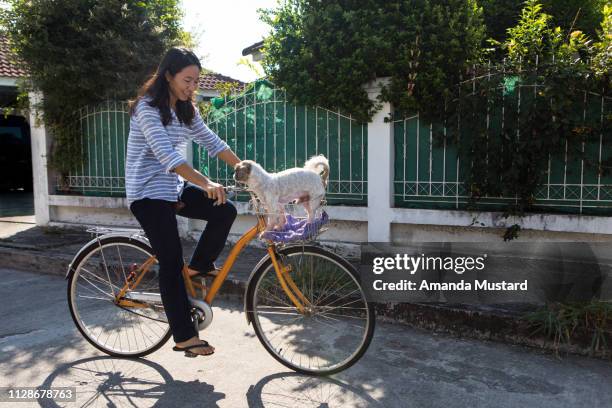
(208, 81)
(8, 65)
(8, 68)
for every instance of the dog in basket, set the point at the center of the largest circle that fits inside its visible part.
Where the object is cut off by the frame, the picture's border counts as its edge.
(304, 185)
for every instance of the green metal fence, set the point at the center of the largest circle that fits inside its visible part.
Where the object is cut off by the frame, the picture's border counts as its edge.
(431, 176)
(262, 125)
(104, 132)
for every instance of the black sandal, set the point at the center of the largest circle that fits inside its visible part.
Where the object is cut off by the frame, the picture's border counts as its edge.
(210, 274)
(191, 353)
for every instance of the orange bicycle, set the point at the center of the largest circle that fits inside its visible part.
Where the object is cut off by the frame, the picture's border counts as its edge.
(306, 303)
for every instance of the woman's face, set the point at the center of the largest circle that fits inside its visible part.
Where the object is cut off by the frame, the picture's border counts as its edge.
(184, 83)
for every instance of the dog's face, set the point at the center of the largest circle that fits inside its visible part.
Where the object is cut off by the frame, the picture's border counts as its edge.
(242, 171)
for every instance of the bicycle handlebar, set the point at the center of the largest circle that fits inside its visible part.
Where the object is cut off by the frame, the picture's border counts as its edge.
(231, 191)
(235, 189)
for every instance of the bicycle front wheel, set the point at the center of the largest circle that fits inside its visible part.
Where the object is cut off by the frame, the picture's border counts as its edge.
(131, 325)
(337, 324)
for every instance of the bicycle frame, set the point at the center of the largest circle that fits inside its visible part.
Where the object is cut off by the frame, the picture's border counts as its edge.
(282, 272)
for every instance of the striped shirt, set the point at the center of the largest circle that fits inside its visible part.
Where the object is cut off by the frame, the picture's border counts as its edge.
(153, 151)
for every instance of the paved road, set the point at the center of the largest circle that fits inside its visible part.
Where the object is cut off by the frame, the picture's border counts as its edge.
(404, 367)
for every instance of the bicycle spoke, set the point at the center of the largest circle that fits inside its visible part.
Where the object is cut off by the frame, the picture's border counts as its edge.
(98, 289)
(324, 291)
(324, 322)
(278, 299)
(344, 296)
(342, 307)
(279, 313)
(94, 297)
(106, 269)
(99, 279)
(339, 320)
(121, 263)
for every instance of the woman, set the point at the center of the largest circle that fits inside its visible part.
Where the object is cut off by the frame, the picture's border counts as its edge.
(163, 120)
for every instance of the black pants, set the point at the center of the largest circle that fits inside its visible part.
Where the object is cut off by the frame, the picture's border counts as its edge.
(158, 219)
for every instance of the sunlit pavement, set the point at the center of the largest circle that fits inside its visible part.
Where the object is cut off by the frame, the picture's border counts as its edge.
(40, 346)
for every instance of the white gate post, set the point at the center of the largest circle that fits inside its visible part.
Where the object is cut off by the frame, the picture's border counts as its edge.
(380, 169)
(40, 142)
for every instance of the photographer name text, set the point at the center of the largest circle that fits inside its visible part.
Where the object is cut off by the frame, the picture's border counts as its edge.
(484, 285)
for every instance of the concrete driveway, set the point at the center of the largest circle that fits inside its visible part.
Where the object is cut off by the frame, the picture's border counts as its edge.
(404, 367)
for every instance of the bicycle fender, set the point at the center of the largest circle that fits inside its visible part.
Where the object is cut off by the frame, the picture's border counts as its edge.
(93, 241)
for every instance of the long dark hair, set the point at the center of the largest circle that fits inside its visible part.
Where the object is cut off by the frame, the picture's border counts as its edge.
(157, 87)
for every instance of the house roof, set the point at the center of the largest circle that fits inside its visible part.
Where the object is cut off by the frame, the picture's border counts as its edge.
(9, 67)
(211, 79)
(9, 62)
(252, 48)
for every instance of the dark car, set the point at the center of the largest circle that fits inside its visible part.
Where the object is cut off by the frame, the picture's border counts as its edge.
(15, 153)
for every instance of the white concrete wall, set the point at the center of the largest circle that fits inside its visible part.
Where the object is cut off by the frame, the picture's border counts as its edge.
(352, 225)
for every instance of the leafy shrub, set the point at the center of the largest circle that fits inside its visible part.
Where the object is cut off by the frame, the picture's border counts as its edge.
(602, 59)
(322, 53)
(589, 323)
(548, 122)
(569, 15)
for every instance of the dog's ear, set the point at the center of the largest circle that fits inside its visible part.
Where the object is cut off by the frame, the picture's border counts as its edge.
(242, 171)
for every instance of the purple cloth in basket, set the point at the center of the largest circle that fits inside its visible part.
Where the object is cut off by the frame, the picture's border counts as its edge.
(297, 229)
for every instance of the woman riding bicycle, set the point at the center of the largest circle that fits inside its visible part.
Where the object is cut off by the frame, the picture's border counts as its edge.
(163, 120)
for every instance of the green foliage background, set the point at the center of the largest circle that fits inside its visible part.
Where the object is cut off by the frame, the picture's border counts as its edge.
(323, 53)
(584, 15)
(81, 52)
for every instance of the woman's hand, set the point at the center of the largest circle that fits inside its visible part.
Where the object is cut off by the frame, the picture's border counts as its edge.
(216, 192)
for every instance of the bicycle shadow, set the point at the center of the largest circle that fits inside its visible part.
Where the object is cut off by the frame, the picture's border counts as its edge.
(293, 389)
(115, 382)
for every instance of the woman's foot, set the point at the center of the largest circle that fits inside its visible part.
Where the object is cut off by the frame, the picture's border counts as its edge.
(192, 272)
(204, 350)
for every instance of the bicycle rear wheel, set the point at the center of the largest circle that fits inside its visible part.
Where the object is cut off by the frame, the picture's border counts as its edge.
(132, 326)
(332, 333)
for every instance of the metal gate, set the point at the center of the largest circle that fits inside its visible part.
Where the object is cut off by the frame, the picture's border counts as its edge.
(263, 125)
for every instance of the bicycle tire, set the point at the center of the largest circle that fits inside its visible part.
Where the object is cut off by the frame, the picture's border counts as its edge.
(77, 269)
(252, 310)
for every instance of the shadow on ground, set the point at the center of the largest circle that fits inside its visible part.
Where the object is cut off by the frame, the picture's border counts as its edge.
(114, 382)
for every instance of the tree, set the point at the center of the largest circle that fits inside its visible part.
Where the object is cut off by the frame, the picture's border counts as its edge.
(602, 61)
(584, 15)
(570, 15)
(81, 52)
(323, 52)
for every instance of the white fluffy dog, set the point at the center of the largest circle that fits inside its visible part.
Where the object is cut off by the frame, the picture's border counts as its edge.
(306, 185)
